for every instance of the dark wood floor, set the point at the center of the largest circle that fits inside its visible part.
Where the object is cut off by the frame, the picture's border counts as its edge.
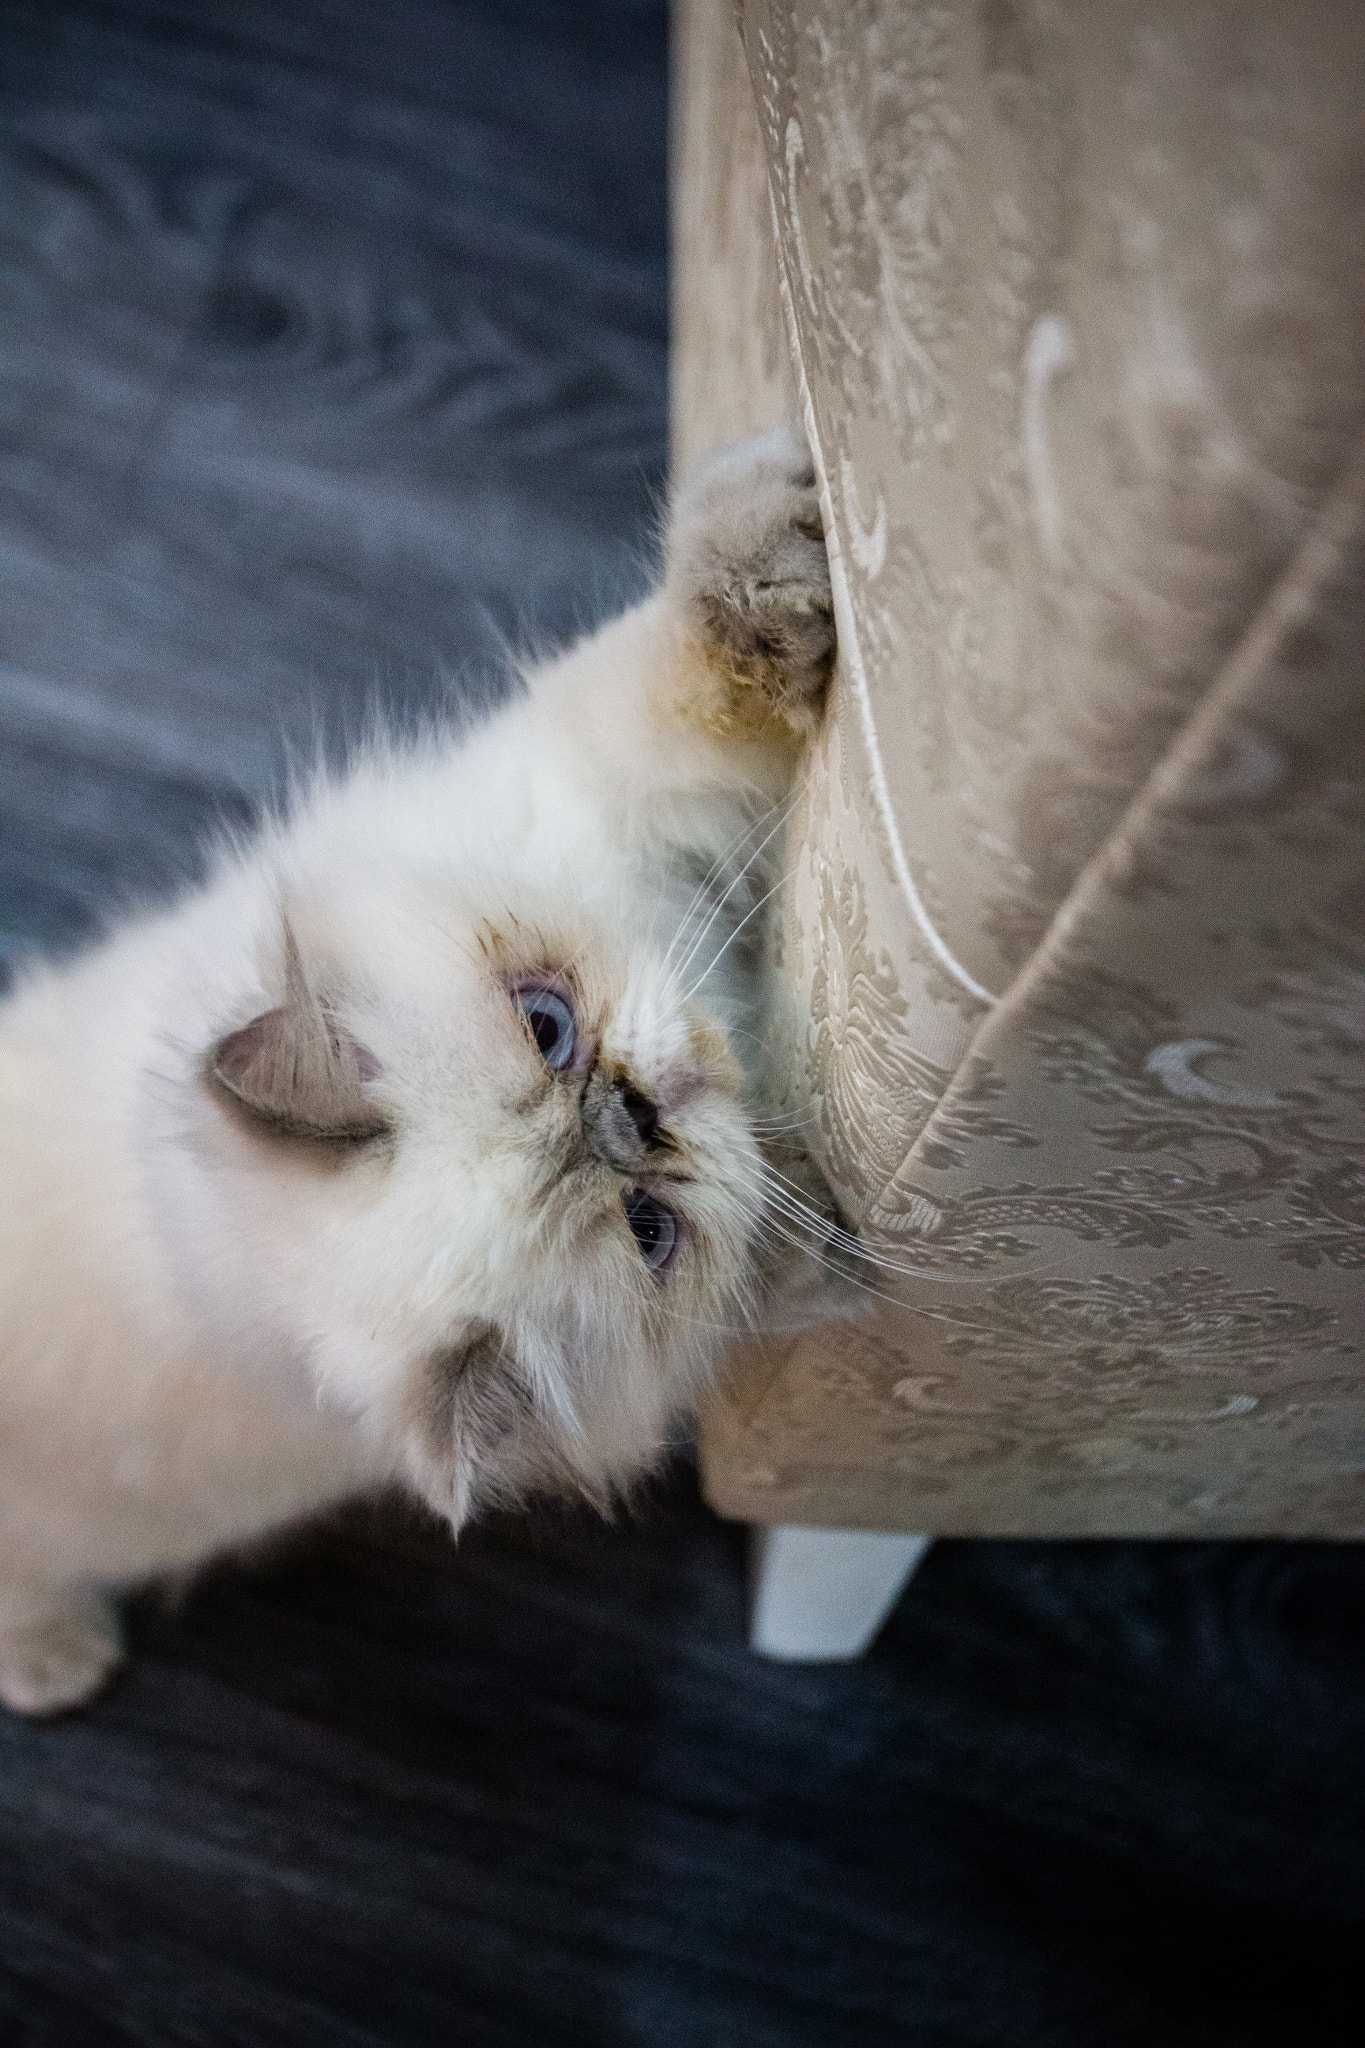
(537, 1792)
(332, 361)
(332, 344)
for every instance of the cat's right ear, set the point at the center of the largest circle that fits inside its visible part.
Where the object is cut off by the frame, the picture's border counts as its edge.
(295, 1070)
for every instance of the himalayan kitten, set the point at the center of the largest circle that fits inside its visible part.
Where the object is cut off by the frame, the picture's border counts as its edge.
(424, 1141)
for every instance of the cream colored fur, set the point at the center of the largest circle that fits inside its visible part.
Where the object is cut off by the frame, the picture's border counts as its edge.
(212, 1323)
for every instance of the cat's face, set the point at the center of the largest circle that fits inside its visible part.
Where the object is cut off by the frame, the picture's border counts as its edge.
(504, 1185)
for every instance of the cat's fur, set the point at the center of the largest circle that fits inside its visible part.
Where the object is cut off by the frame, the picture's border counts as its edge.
(293, 1205)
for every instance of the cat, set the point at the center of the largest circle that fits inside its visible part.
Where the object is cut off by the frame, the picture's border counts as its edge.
(425, 1140)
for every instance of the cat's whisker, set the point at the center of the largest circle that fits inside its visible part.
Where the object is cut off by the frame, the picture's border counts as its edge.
(681, 1315)
(793, 1206)
(825, 1235)
(779, 814)
(718, 867)
(717, 957)
(833, 1233)
(791, 1197)
(779, 1234)
(683, 965)
(788, 1238)
(712, 876)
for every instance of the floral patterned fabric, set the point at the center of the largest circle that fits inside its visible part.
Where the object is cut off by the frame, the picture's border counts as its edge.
(1074, 944)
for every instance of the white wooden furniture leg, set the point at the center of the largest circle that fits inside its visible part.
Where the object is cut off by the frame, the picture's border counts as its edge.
(820, 1595)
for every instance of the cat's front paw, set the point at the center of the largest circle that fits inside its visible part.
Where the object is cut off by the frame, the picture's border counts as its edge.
(748, 568)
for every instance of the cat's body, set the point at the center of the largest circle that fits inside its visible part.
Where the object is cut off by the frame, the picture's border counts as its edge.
(421, 1142)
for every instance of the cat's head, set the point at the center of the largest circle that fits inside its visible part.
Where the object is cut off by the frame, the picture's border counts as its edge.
(500, 1183)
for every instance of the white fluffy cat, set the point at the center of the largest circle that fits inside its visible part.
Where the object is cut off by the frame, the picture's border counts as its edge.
(423, 1141)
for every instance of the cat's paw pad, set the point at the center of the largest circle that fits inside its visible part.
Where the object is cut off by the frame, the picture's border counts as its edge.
(58, 1658)
(747, 563)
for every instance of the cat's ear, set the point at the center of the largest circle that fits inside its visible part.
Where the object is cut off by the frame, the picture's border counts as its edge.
(296, 1069)
(464, 1403)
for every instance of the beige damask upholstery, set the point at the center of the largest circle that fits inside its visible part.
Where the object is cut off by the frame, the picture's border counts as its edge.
(1072, 295)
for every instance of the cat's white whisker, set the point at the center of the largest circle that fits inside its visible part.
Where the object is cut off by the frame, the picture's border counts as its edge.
(701, 937)
(716, 958)
(717, 869)
(798, 1211)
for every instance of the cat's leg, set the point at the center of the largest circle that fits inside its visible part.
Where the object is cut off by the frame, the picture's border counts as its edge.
(707, 689)
(58, 1646)
(748, 579)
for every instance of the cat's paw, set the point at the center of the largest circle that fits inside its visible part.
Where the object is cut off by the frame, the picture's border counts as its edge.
(57, 1655)
(747, 566)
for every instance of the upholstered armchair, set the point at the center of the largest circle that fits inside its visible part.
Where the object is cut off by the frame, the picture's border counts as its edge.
(1071, 299)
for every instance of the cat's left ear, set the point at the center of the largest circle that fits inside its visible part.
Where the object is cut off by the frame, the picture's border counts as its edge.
(464, 1404)
(296, 1069)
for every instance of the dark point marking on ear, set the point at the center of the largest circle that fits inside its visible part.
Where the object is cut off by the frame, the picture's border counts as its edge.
(295, 1070)
(447, 1389)
(463, 1401)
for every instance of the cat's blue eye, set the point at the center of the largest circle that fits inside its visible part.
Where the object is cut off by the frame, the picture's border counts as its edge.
(654, 1227)
(551, 1023)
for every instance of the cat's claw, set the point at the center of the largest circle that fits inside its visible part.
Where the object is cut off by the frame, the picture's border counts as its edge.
(747, 563)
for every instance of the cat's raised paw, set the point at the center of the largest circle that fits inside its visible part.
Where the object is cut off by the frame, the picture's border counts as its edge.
(57, 1655)
(747, 565)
